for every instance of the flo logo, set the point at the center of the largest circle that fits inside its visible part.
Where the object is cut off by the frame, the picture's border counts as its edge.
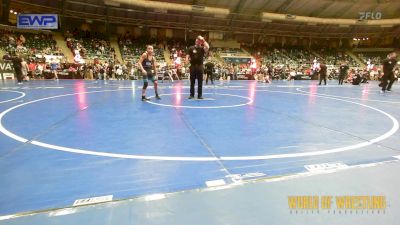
(370, 16)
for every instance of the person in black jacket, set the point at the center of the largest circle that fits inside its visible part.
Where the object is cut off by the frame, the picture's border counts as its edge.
(17, 60)
(196, 54)
(209, 72)
(388, 78)
(356, 78)
(322, 72)
(343, 72)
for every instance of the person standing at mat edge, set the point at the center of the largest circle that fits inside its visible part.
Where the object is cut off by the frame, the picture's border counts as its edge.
(17, 60)
(209, 72)
(196, 55)
(147, 64)
(322, 72)
(388, 75)
(343, 71)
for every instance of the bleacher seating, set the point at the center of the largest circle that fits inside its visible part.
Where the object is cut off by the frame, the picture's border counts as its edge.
(334, 57)
(131, 51)
(28, 43)
(90, 45)
(373, 57)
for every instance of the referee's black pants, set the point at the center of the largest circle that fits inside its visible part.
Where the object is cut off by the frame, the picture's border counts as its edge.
(322, 78)
(341, 78)
(18, 74)
(196, 72)
(387, 81)
(209, 75)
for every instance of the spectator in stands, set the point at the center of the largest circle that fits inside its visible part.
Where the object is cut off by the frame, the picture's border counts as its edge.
(231, 71)
(124, 70)
(267, 72)
(292, 75)
(72, 70)
(7, 56)
(119, 72)
(364, 76)
(22, 39)
(132, 72)
(24, 69)
(109, 67)
(168, 74)
(53, 67)
(90, 73)
(183, 71)
(11, 40)
(21, 48)
(236, 71)
(315, 66)
(32, 68)
(356, 79)
(102, 72)
(39, 70)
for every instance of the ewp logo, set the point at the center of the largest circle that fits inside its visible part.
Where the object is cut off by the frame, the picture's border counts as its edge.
(38, 21)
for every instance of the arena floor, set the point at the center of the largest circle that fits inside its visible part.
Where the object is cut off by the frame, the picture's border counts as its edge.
(66, 140)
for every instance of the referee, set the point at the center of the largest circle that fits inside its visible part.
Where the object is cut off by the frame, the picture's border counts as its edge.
(196, 55)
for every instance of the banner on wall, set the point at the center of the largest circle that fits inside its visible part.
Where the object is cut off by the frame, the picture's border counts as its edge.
(6, 69)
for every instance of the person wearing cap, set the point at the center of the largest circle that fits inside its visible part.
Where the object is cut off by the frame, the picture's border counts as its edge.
(196, 54)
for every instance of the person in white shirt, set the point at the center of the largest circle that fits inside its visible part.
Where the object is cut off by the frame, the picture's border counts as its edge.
(24, 69)
(119, 72)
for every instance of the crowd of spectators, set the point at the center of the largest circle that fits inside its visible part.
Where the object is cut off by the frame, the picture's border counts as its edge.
(40, 54)
(89, 45)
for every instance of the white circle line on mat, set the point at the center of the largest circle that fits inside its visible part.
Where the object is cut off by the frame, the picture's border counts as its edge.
(203, 107)
(337, 96)
(9, 100)
(389, 133)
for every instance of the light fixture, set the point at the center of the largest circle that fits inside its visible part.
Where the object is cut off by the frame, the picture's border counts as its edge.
(11, 11)
(15, 13)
